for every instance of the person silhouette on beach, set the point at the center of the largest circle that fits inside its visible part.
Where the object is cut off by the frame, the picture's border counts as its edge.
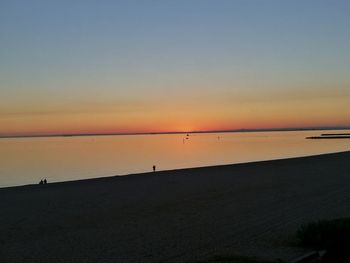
(154, 168)
(41, 181)
(45, 181)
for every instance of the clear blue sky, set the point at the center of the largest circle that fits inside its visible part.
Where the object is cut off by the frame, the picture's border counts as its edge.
(135, 65)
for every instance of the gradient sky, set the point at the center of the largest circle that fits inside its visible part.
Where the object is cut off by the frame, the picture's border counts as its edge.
(135, 66)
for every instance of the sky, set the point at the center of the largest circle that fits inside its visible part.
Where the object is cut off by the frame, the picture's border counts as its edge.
(140, 66)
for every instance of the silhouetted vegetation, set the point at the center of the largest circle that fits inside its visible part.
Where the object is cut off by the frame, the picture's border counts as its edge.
(235, 259)
(330, 235)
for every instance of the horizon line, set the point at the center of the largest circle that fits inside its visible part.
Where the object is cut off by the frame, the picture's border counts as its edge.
(176, 132)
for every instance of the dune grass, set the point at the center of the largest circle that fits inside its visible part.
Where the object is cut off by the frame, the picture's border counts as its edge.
(324, 234)
(235, 259)
(330, 235)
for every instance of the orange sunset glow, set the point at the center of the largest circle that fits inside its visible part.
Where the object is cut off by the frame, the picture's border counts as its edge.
(174, 131)
(166, 76)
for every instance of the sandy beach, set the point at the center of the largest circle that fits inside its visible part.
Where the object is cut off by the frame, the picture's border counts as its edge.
(174, 216)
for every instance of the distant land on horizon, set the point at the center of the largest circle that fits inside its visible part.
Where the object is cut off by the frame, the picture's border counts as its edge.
(173, 132)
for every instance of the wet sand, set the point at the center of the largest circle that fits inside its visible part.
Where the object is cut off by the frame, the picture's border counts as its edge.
(174, 216)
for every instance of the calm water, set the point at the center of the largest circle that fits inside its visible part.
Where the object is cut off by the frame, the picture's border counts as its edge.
(27, 160)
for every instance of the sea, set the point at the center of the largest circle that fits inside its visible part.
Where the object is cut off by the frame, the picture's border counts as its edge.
(28, 160)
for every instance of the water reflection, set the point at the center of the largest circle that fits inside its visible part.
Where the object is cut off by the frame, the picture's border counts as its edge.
(27, 160)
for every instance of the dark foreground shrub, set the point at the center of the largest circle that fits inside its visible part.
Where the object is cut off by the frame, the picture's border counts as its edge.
(324, 234)
(330, 235)
(234, 259)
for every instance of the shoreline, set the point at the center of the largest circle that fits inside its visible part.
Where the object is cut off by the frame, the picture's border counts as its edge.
(183, 215)
(177, 170)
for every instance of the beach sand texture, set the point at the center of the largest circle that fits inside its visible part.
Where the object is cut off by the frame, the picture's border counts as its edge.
(174, 216)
